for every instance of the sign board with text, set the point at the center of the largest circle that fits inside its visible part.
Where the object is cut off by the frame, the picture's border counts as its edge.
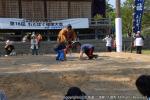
(16, 23)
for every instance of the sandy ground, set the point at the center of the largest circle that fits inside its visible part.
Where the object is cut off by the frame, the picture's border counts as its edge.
(111, 76)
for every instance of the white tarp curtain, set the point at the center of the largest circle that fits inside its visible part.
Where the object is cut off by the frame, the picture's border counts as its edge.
(16, 23)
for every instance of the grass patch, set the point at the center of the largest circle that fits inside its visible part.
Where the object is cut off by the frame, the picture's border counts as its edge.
(146, 52)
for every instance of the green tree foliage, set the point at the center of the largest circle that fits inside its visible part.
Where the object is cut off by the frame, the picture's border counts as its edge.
(97, 17)
(110, 13)
(127, 16)
(147, 4)
(146, 18)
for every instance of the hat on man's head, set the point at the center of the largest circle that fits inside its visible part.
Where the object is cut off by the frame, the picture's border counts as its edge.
(69, 26)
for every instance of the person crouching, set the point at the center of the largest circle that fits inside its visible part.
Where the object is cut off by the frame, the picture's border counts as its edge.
(88, 49)
(61, 52)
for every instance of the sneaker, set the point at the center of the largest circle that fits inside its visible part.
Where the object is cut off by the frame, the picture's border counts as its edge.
(95, 56)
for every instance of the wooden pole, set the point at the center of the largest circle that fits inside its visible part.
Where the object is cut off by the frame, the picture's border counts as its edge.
(118, 15)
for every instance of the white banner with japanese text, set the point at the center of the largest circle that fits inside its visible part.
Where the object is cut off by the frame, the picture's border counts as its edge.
(16, 23)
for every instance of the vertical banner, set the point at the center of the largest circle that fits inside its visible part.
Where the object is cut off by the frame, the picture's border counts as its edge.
(137, 15)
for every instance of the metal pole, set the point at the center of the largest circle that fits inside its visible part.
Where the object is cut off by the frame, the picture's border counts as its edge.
(118, 26)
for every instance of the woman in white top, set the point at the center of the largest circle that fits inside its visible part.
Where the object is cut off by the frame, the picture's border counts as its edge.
(138, 42)
(108, 40)
(34, 45)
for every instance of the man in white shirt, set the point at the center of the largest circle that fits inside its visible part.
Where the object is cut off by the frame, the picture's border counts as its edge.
(108, 40)
(138, 42)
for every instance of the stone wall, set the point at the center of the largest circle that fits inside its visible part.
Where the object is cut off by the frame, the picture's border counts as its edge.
(47, 47)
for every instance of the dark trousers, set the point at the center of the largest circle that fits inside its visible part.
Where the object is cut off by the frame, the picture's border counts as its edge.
(109, 49)
(8, 51)
(89, 52)
(34, 51)
(139, 49)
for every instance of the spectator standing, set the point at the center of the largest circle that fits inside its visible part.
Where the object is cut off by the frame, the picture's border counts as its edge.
(39, 38)
(34, 44)
(138, 42)
(108, 40)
